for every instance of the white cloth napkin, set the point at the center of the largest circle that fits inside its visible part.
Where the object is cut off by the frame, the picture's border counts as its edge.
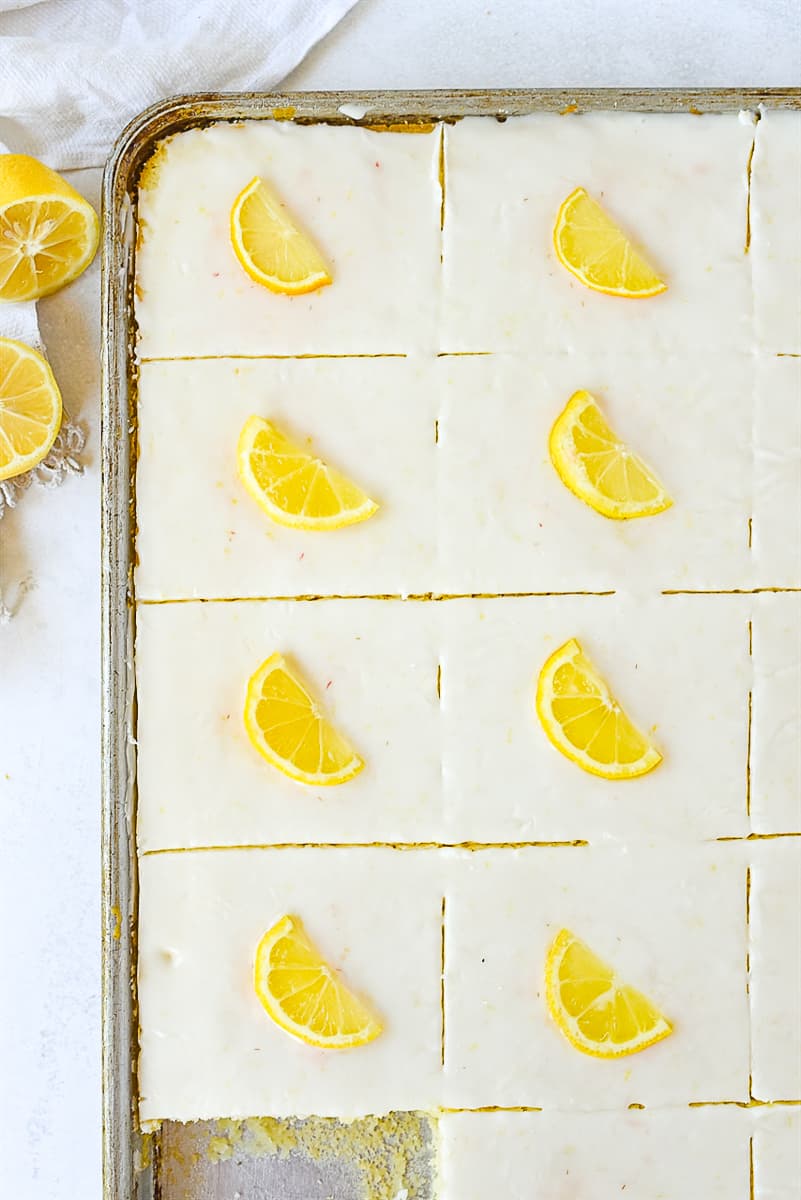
(19, 321)
(74, 72)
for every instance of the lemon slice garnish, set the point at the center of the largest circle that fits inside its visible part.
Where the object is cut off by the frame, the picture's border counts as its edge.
(584, 721)
(598, 253)
(600, 469)
(48, 232)
(271, 247)
(286, 726)
(30, 408)
(294, 487)
(597, 1013)
(304, 995)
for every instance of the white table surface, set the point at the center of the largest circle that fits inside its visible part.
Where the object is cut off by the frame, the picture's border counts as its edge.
(49, 654)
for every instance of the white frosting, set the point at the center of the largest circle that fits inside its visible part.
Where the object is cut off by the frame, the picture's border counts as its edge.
(675, 183)
(201, 782)
(201, 534)
(481, 509)
(777, 1154)
(776, 717)
(776, 540)
(776, 969)
(355, 111)
(208, 1048)
(776, 231)
(476, 766)
(672, 923)
(508, 523)
(635, 1155)
(371, 203)
(678, 665)
(454, 449)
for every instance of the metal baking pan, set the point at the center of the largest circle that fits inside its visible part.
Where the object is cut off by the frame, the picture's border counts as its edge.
(147, 1166)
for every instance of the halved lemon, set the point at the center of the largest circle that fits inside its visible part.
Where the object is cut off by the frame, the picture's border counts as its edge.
(286, 725)
(600, 469)
(30, 408)
(294, 487)
(597, 1013)
(584, 722)
(48, 232)
(598, 253)
(271, 247)
(304, 995)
